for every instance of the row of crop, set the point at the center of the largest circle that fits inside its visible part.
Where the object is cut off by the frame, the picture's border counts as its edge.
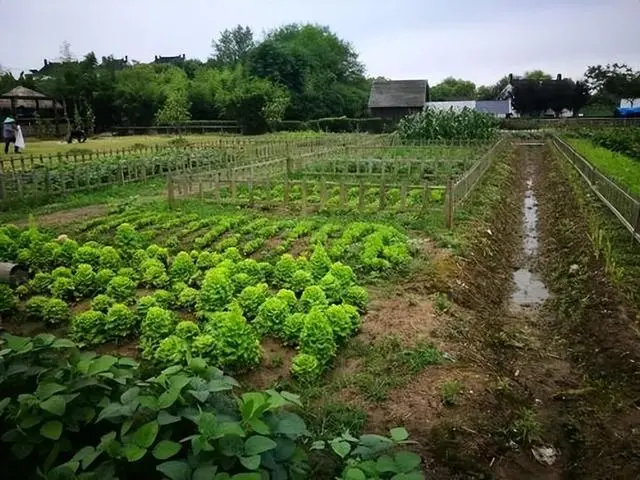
(622, 140)
(317, 293)
(66, 414)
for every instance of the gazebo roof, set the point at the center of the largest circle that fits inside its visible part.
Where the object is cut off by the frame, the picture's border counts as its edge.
(27, 98)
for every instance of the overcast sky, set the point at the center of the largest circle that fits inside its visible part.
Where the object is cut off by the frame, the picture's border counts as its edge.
(480, 40)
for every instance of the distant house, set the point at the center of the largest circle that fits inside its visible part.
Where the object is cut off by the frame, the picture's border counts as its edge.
(177, 60)
(507, 94)
(395, 99)
(46, 70)
(497, 108)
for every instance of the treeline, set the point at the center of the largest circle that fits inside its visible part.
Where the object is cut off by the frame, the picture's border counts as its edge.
(297, 72)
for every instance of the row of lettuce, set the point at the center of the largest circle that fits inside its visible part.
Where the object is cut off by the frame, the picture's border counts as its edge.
(213, 305)
(67, 414)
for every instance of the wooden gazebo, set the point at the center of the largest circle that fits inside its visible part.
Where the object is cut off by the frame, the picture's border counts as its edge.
(24, 102)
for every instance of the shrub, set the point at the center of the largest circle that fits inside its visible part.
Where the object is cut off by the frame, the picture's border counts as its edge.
(41, 283)
(216, 291)
(8, 300)
(156, 326)
(316, 337)
(306, 368)
(109, 258)
(300, 280)
(154, 273)
(102, 303)
(356, 296)
(271, 316)
(86, 254)
(84, 280)
(63, 287)
(171, 351)
(340, 322)
(188, 298)
(292, 328)
(313, 296)
(103, 277)
(88, 328)
(251, 298)
(331, 287)
(56, 312)
(120, 321)
(122, 289)
(320, 262)
(187, 330)
(127, 239)
(183, 268)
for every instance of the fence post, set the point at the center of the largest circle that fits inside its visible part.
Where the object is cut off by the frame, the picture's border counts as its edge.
(448, 204)
(170, 192)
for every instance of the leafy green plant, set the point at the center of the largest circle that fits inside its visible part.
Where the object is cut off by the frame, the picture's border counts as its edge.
(61, 272)
(55, 312)
(450, 391)
(63, 287)
(87, 328)
(154, 273)
(88, 255)
(316, 337)
(320, 262)
(356, 296)
(187, 330)
(164, 298)
(8, 300)
(288, 297)
(188, 298)
(300, 280)
(121, 289)
(331, 287)
(526, 428)
(292, 328)
(216, 291)
(251, 298)
(442, 303)
(102, 303)
(41, 283)
(306, 368)
(84, 280)
(120, 322)
(157, 325)
(340, 322)
(183, 268)
(109, 258)
(271, 316)
(172, 350)
(143, 305)
(103, 277)
(127, 239)
(313, 296)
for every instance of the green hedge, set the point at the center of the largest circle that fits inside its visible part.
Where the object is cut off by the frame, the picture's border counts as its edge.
(334, 125)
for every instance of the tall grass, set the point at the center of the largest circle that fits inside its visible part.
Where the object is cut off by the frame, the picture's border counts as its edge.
(432, 124)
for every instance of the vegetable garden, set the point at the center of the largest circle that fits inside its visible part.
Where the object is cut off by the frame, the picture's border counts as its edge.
(192, 289)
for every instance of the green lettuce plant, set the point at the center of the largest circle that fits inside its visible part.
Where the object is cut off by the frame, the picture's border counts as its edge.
(84, 280)
(109, 258)
(122, 289)
(313, 296)
(87, 328)
(102, 303)
(306, 368)
(271, 316)
(251, 298)
(183, 268)
(120, 322)
(316, 337)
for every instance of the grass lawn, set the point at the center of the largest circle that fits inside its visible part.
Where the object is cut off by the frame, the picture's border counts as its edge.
(621, 168)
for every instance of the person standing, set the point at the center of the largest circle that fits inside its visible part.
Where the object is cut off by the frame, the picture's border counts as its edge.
(9, 134)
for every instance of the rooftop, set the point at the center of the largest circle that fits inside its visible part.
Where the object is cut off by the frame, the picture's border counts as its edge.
(398, 93)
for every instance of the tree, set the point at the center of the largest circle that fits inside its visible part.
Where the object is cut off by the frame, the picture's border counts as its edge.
(233, 46)
(491, 92)
(175, 111)
(66, 55)
(613, 82)
(451, 89)
(537, 75)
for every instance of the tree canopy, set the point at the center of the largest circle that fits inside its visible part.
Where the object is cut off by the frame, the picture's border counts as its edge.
(451, 89)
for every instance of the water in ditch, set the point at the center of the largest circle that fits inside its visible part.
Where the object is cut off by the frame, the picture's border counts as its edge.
(529, 289)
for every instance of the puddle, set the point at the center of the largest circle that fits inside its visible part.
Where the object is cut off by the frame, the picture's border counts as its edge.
(530, 290)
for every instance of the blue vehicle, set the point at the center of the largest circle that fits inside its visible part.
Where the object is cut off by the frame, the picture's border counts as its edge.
(628, 112)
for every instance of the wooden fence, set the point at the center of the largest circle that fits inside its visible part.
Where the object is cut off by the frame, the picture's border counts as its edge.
(622, 204)
(309, 196)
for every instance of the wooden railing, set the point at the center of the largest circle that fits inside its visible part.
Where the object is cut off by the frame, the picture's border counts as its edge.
(624, 205)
